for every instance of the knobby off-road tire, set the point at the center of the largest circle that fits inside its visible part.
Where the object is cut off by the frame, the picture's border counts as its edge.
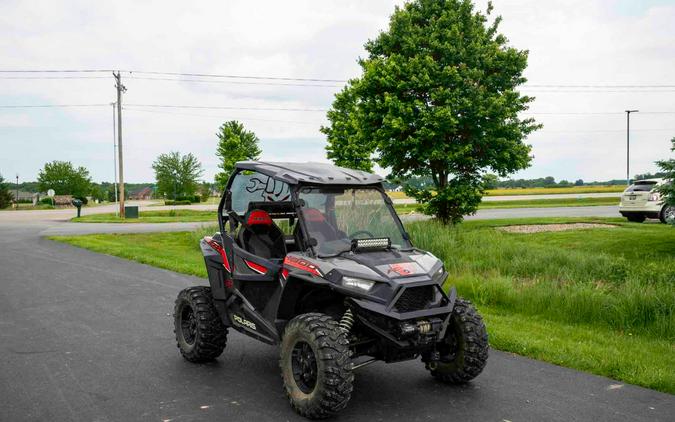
(318, 335)
(464, 350)
(200, 334)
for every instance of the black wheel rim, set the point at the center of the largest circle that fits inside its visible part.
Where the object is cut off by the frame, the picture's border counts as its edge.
(303, 363)
(188, 324)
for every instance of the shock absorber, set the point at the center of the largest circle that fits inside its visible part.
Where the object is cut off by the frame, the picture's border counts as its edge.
(347, 321)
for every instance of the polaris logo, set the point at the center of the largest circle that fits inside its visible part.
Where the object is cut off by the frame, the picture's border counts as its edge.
(244, 322)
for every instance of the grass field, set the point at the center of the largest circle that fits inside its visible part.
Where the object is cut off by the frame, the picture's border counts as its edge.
(187, 215)
(599, 300)
(163, 216)
(537, 191)
(527, 203)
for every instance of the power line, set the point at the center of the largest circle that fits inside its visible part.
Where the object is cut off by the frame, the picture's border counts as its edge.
(220, 116)
(54, 77)
(212, 75)
(227, 107)
(234, 82)
(54, 105)
(56, 71)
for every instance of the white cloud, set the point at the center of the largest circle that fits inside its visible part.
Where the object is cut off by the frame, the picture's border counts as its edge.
(570, 42)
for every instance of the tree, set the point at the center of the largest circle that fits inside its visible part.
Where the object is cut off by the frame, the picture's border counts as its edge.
(668, 168)
(490, 181)
(6, 196)
(65, 179)
(234, 144)
(437, 98)
(177, 175)
(579, 182)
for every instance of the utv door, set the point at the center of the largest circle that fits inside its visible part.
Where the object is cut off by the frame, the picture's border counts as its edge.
(257, 289)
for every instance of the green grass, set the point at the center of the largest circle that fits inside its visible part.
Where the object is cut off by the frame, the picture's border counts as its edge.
(164, 216)
(536, 191)
(527, 203)
(599, 300)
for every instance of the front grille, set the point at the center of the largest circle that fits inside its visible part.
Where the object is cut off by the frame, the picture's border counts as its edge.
(415, 298)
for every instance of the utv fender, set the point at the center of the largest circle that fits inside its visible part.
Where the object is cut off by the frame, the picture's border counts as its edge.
(298, 288)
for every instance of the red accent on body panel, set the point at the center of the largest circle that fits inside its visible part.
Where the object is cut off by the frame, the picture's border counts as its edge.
(216, 246)
(313, 215)
(403, 268)
(284, 273)
(256, 267)
(302, 264)
(259, 217)
(228, 283)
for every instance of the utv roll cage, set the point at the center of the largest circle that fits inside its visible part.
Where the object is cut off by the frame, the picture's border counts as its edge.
(296, 176)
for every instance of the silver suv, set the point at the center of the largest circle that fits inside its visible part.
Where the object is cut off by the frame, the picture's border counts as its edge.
(641, 200)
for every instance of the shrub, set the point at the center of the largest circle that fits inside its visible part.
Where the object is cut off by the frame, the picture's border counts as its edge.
(46, 201)
(177, 202)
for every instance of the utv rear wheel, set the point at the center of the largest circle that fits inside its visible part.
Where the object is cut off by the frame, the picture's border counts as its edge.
(200, 334)
(316, 366)
(636, 218)
(464, 350)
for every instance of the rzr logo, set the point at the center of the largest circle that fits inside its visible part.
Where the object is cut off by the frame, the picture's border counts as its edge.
(241, 321)
(403, 268)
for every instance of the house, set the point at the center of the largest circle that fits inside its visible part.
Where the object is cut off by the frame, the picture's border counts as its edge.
(63, 200)
(142, 195)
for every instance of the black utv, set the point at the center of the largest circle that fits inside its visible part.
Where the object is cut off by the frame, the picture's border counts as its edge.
(314, 258)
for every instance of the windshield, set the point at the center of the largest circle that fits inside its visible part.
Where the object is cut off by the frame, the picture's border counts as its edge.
(641, 187)
(336, 216)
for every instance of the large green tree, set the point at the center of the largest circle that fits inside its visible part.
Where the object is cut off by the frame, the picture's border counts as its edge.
(65, 179)
(668, 188)
(438, 98)
(177, 175)
(5, 195)
(234, 144)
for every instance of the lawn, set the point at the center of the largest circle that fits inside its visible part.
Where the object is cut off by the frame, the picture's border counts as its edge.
(529, 203)
(537, 191)
(599, 300)
(187, 215)
(163, 216)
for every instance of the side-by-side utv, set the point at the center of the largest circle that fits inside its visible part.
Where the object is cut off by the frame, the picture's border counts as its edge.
(314, 258)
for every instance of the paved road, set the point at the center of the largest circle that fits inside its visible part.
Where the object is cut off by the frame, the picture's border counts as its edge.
(526, 197)
(55, 222)
(88, 337)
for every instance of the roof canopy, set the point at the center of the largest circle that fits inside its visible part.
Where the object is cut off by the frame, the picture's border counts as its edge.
(311, 173)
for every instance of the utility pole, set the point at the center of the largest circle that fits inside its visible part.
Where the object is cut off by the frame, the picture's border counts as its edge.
(17, 191)
(120, 90)
(628, 112)
(114, 153)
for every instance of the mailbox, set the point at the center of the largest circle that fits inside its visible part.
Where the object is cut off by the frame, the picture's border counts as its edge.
(78, 204)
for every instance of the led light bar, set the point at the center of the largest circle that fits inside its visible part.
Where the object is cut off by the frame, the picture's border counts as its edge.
(371, 244)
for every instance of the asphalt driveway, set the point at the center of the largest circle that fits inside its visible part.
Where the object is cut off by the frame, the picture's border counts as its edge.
(88, 337)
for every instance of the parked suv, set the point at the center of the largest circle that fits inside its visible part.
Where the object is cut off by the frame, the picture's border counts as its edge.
(641, 200)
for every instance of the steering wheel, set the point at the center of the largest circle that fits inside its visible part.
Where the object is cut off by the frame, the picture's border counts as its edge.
(366, 232)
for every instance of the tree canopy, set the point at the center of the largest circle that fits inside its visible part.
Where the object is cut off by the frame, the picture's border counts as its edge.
(668, 168)
(234, 144)
(5, 195)
(65, 179)
(438, 97)
(176, 175)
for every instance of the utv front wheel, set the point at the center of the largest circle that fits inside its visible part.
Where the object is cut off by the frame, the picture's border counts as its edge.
(316, 366)
(464, 349)
(200, 334)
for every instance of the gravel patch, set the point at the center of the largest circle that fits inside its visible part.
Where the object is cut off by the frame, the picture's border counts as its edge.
(537, 228)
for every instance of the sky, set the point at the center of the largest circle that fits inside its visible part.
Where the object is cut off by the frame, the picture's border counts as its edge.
(571, 42)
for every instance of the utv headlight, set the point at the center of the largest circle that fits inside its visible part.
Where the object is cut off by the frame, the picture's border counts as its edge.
(357, 283)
